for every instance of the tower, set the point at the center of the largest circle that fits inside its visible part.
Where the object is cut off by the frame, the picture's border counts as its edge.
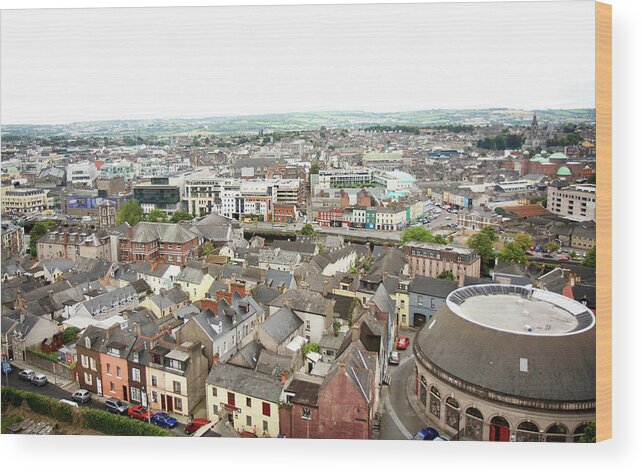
(106, 214)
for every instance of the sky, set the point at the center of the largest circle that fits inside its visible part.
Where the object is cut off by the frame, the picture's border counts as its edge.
(60, 66)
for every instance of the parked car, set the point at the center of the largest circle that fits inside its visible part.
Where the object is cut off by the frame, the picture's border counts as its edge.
(139, 412)
(39, 380)
(402, 343)
(528, 253)
(69, 402)
(563, 258)
(27, 375)
(394, 359)
(114, 405)
(164, 420)
(427, 434)
(195, 424)
(548, 255)
(82, 396)
(6, 367)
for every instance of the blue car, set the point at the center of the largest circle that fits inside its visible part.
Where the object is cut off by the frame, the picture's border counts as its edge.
(427, 434)
(164, 420)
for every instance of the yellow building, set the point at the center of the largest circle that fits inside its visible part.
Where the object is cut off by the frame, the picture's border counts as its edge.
(195, 282)
(24, 201)
(246, 399)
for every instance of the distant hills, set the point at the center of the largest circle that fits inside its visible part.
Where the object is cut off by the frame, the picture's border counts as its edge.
(303, 121)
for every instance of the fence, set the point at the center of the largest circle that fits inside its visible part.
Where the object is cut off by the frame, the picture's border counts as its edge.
(56, 368)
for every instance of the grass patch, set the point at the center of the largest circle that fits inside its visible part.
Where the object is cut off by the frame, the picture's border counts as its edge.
(8, 420)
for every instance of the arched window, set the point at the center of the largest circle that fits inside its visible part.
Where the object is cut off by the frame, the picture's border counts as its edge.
(423, 391)
(452, 412)
(578, 432)
(556, 434)
(435, 402)
(528, 431)
(498, 429)
(474, 423)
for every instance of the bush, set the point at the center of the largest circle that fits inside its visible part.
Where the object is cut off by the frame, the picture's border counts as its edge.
(117, 425)
(38, 403)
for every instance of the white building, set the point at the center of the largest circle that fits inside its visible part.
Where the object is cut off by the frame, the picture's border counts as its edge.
(82, 172)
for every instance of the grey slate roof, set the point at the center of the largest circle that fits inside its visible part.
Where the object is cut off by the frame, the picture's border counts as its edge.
(282, 324)
(145, 232)
(245, 381)
(278, 279)
(423, 285)
(302, 300)
(94, 305)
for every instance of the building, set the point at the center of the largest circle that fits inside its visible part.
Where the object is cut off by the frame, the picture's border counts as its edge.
(433, 259)
(147, 241)
(82, 172)
(383, 161)
(74, 242)
(501, 363)
(158, 194)
(477, 219)
(315, 310)
(12, 240)
(285, 213)
(22, 201)
(88, 349)
(426, 296)
(577, 202)
(106, 214)
(117, 169)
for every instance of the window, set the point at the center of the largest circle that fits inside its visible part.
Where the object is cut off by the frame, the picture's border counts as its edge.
(420, 301)
(308, 326)
(265, 409)
(112, 388)
(136, 394)
(231, 398)
(215, 409)
(155, 397)
(88, 378)
(118, 372)
(214, 391)
(84, 361)
(265, 426)
(248, 420)
(109, 369)
(176, 386)
(136, 375)
(248, 402)
(178, 404)
(154, 381)
(306, 414)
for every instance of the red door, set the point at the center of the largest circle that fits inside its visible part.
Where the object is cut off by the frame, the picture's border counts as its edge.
(169, 403)
(498, 433)
(162, 402)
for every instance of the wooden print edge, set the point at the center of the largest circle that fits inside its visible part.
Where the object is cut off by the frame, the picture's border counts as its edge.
(604, 221)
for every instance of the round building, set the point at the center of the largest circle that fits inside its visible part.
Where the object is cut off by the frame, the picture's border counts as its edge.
(508, 363)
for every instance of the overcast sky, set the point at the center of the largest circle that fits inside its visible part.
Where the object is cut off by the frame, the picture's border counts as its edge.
(61, 66)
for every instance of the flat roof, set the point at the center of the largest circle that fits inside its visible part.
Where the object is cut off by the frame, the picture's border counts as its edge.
(522, 310)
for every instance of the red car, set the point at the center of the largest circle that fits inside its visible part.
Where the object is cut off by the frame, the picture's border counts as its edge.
(195, 424)
(139, 412)
(402, 343)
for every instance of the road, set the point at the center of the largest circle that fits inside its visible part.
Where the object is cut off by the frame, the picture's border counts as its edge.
(54, 391)
(294, 228)
(399, 419)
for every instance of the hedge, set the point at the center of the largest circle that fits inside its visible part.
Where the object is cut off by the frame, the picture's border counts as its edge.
(39, 403)
(93, 418)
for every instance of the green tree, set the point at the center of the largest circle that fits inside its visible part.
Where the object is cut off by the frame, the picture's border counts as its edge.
(524, 241)
(592, 179)
(307, 229)
(552, 247)
(179, 216)
(130, 211)
(314, 168)
(37, 231)
(513, 252)
(482, 243)
(337, 325)
(446, 275)
(589, 435)
(590, 258)
(491, 232)
(157, 215)
(421, 234)
(70, 334)
(309, 347)
(207, 248)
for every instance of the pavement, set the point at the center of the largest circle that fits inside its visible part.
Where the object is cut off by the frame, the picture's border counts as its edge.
(61, 388)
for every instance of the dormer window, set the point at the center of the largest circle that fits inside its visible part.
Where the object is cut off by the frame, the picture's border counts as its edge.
(113, 351)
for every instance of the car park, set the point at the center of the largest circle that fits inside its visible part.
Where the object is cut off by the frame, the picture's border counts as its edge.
(114, 405)
(195, 424)
(82, 396)
(394, 359)
(27, 375)
(164, 420)
(39, 380)
(402, 343)
(139, 412)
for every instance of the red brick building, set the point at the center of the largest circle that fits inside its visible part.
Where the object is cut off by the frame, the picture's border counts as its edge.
(285, 212)
(149, 241)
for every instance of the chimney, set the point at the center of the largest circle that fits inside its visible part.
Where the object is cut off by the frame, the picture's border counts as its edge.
(283, 376)
(113, 329)
(342, 368)
(325, 289)
(384, 275)
(461, 278)
(154, 264)
(137, 329)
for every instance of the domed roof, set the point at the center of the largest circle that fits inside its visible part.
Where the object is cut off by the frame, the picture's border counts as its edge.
(513, 340)
(563, 171)
(539, 159)
(526, 152)
(558, 156)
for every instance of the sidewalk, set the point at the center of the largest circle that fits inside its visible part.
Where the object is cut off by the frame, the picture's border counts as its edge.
(412, 399)
(64, 383)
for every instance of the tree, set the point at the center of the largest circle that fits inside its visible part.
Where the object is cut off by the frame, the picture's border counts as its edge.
(590, 258)
(157, 215)
(307, 229)
(552, 247)
(308, 347)
(314, 168)
(130, 211)
(592, 179)
(482, 243)
(70, 334)
(421, 234)
(179, 216)
(38, 230)
(589, 435)
(513, 252)
(207, 248)
(446, 275)
(524, 241)
(337, 325)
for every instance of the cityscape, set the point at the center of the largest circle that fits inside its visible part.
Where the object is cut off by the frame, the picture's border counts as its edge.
(338, 283)
(364, 222)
